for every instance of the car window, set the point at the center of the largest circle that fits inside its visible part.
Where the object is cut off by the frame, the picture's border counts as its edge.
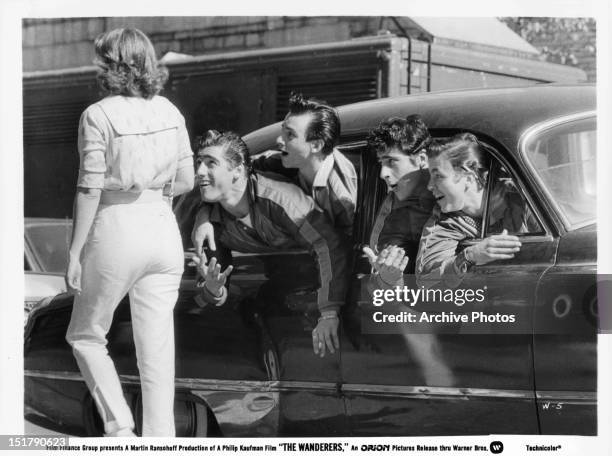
(49, 244)
(371, 189)
(353, 154)
(564, 157)
(507, 208)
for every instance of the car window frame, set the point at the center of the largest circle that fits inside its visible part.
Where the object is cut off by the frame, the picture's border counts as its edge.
(494, 169)
(525, 139)
(361, 227)
(521, 185)
(30, 257)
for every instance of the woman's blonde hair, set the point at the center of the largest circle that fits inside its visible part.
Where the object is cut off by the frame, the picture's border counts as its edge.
(127, 64)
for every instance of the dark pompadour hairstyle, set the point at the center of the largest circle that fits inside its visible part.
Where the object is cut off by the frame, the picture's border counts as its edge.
(234, 148)
(325, 123)
(410, 135)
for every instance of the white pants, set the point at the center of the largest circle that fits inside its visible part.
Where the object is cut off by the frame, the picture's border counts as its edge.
(132, 248)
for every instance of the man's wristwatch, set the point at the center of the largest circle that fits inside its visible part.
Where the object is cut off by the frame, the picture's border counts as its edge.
(463, 262)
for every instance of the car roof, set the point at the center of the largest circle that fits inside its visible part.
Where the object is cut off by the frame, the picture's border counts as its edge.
(501, 113)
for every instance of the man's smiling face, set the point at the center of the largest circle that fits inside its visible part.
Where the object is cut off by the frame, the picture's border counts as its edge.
(215, 174)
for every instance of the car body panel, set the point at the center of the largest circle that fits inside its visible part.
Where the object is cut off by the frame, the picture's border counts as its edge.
(39, 285)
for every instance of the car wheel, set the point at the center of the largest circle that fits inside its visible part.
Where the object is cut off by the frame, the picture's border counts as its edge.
(191, 418)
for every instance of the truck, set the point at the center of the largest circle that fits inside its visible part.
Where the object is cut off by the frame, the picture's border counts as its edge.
(245, 90)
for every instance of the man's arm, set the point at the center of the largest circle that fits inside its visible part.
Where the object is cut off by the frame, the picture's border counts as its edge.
(437, 263)
(203, 230)
(298, 215)
(387, 267)
(271, 162)
(310, 227)
(215, 282)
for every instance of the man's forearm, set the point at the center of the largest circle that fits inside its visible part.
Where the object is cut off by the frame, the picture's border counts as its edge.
(331, 249)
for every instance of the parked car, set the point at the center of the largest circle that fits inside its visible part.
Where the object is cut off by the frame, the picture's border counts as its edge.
(247, 368)
(45, 258)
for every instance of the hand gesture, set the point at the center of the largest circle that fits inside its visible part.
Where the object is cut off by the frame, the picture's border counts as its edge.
(389, 264)
(205, 232)
(73, 275)
(325, 335)
(496, 247)
(214, 279)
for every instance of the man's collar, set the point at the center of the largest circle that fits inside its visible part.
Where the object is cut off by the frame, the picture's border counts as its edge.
(215, 213)
(217, 209)
(320, 179)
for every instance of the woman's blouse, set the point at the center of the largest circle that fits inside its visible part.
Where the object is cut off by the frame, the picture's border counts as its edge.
(131, 144)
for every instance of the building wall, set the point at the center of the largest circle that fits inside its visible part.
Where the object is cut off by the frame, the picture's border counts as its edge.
(64, 43)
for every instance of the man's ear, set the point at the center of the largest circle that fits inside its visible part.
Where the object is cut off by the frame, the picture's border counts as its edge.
(470, 180)
(237, 172)
(422, 160)
(316, 146)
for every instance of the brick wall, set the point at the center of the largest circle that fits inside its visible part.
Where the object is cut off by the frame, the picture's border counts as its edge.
(569, 41)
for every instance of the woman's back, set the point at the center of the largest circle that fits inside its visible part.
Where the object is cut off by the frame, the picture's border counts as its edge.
(131, 143)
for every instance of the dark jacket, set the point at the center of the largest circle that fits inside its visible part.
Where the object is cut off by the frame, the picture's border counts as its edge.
(284, 218)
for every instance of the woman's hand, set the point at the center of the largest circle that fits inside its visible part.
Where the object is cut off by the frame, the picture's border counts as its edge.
(325, 335)
(389, 264)
(73, 275)
(214, 279)
(496, 247)
(205, 232)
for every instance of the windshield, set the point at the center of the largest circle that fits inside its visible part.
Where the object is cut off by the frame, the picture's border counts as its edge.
(564, 156)
(49, 243)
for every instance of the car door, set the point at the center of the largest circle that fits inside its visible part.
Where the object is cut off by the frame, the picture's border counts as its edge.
(561, 154)
(465, 379)
(253, 356)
